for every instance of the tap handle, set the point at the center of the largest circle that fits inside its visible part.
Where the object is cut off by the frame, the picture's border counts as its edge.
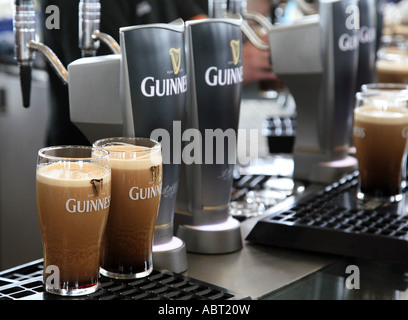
(89, 14)
(217, 8)
(24, 30)
(237, 6)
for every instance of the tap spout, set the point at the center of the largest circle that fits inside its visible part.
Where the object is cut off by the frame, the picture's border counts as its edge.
(51, 58)
(240, 7)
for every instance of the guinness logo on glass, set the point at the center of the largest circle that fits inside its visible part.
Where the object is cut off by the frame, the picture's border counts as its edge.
(97, 185)
(155, 170)
(175, 59)
(235, 50)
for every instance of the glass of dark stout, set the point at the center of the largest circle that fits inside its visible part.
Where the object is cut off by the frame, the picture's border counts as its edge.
(380, 133)
(137, 171)
(73, 190)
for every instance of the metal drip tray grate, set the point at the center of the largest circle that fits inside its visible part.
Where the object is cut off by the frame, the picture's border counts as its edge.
(334, 221)
(25, 282)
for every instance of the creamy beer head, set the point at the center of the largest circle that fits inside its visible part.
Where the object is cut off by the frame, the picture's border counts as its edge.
(392, 115)
(380, 136)
(127, 157)
(78, 173)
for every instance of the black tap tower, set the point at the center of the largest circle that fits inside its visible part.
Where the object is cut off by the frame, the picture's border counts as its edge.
(367, 43)
(214, 48)
(317, 59)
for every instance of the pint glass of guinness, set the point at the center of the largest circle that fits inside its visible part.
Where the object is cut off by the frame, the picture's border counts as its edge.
(73, 191)
(380, 134)
(136, 165)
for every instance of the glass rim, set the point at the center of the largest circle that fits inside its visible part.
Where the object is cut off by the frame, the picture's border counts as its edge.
(399, 95)
(112, 140)
(42, 153)
(380, 86)
(384, 55)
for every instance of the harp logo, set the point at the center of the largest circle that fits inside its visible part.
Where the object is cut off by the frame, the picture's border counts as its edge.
(235, 51)
(156, 177)
(175, 59)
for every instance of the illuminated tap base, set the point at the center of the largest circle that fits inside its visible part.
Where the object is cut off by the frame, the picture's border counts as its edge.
(212, 239)
(171, 256)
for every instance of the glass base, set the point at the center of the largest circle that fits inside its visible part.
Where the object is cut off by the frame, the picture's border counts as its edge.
(125, 276)
(71, 292)
(364, 197)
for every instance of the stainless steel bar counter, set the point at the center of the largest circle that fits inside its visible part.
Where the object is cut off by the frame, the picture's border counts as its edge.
(256, 270)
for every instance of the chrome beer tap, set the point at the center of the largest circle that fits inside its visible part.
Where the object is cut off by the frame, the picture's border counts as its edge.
(24, 31)
(26, 46)
(225, 8)
(217, 8)
(89, 13)
(240, 7)
(24, 25)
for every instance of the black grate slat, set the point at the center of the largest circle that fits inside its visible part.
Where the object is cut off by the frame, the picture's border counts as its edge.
(157, 286)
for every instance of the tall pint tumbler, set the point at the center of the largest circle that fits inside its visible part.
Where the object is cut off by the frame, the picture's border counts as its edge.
(73, 189)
